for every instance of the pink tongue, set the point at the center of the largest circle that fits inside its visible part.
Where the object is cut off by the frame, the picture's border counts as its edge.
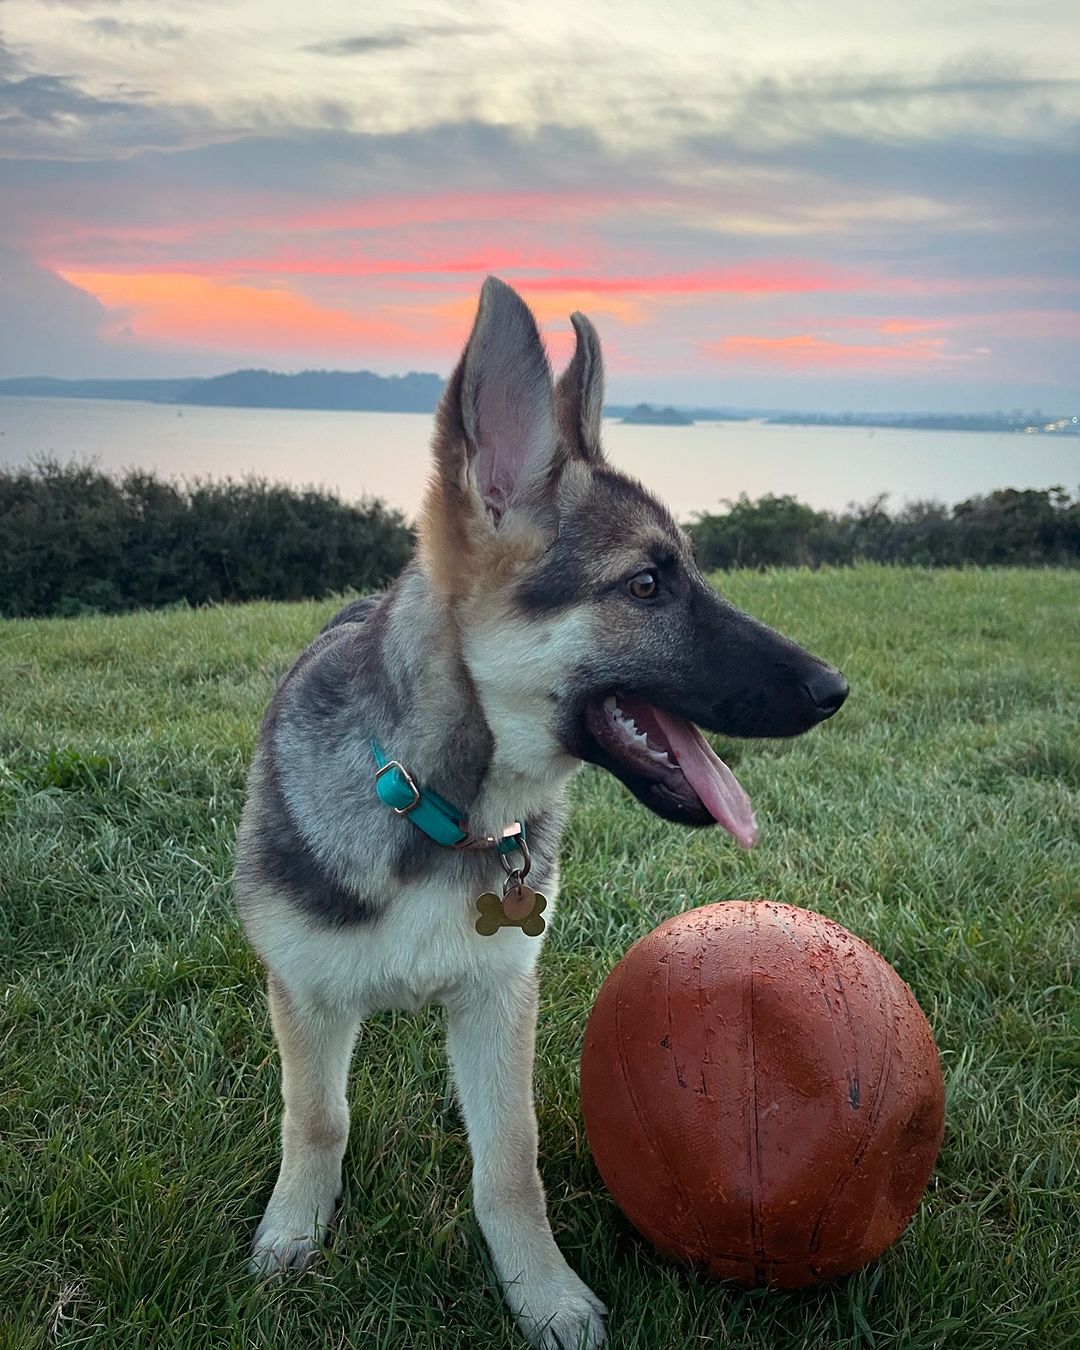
(710, 778)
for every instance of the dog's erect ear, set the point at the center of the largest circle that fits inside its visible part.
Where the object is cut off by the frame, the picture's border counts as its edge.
(579, 395)
(498, 410)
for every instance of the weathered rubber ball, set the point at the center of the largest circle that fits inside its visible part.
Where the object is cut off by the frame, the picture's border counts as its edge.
(762, 1093)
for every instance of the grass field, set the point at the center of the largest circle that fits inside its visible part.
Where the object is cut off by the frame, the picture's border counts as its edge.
(938, 816)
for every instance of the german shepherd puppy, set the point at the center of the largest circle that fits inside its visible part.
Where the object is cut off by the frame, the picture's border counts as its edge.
(553, 614)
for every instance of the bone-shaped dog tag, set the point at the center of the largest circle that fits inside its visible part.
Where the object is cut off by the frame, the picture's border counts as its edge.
(520, 907)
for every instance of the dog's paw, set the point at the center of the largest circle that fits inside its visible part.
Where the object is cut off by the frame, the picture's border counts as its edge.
(296, 1223)
(562, 1313)
(284, 1243)
(278, 1255)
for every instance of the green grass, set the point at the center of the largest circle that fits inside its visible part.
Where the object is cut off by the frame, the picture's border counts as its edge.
(938, 817)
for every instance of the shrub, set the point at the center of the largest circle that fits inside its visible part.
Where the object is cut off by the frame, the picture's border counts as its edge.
(75, 540)
(1030, 528)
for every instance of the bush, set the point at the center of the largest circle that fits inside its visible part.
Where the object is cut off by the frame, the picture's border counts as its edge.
(1030, 528)
(74, 540)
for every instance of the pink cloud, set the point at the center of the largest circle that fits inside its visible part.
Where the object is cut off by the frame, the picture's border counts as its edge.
(354, 261)
(806, 351)
(779, 278)
(219, 315)
(60, 233)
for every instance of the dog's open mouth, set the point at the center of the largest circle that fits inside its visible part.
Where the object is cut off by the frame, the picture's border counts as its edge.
(674, 759)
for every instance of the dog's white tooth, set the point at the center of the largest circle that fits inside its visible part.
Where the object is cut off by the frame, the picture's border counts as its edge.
(610, 705)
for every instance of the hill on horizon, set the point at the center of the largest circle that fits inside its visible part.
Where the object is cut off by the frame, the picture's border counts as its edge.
(419, 392)
(333, 390)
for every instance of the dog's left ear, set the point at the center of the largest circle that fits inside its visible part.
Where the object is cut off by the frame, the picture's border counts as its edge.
(497, 425)
(579, 395)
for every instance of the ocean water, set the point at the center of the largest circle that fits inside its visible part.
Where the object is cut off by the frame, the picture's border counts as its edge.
(386, 455)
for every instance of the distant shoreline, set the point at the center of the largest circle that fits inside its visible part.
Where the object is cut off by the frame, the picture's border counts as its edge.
(646, 415)
(419, 392)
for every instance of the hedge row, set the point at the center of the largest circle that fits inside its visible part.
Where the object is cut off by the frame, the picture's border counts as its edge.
(1013, 527)
(74, 540)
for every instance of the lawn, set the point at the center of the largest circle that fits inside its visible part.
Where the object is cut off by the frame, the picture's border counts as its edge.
(937, 816)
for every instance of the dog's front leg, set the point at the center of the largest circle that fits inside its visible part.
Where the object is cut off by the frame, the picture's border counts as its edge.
(315, 1044)
(490, 1040)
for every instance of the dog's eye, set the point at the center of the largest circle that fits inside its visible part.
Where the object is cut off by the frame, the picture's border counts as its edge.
(644, 586)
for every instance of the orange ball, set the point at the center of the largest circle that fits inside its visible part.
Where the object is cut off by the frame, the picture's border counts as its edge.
(762, 1093)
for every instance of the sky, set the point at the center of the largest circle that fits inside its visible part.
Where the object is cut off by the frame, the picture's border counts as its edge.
(760, 203)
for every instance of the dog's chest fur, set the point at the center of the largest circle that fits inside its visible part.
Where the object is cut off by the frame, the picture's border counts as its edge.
(344, 898)
(422, 948)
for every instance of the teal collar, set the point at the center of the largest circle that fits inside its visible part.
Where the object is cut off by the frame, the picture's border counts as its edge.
(433, 814)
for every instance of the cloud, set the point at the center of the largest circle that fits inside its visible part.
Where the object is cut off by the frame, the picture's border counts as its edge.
(49, 325)
(127, 30)
(53, 100)
(806, 350)
(361, 45)
(975, 100)
(213, 314)
(8, 64)
(782, 277)
(692, 201)
(429, 263)
(471, 159)
(392, 39)
(114, 4)
(55, 118)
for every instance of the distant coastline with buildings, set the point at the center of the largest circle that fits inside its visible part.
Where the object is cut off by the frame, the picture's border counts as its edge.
(418, 392)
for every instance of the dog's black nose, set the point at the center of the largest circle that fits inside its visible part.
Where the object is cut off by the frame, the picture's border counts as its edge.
(827, 689)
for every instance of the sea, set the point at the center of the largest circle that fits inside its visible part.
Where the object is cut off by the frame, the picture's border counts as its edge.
(386, 455)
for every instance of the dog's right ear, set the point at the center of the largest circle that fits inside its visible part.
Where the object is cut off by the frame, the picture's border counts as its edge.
(497, 439)
(579, 395)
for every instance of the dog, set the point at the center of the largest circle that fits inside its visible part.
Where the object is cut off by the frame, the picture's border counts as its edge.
(413, 761)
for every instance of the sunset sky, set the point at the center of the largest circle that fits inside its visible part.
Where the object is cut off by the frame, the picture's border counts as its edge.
(784, 203)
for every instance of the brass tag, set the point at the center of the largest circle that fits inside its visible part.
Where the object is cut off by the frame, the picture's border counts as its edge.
(518, 900)
(520, 907)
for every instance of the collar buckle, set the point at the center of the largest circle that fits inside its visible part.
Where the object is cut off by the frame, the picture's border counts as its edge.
(434, 815)
(410, 783)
